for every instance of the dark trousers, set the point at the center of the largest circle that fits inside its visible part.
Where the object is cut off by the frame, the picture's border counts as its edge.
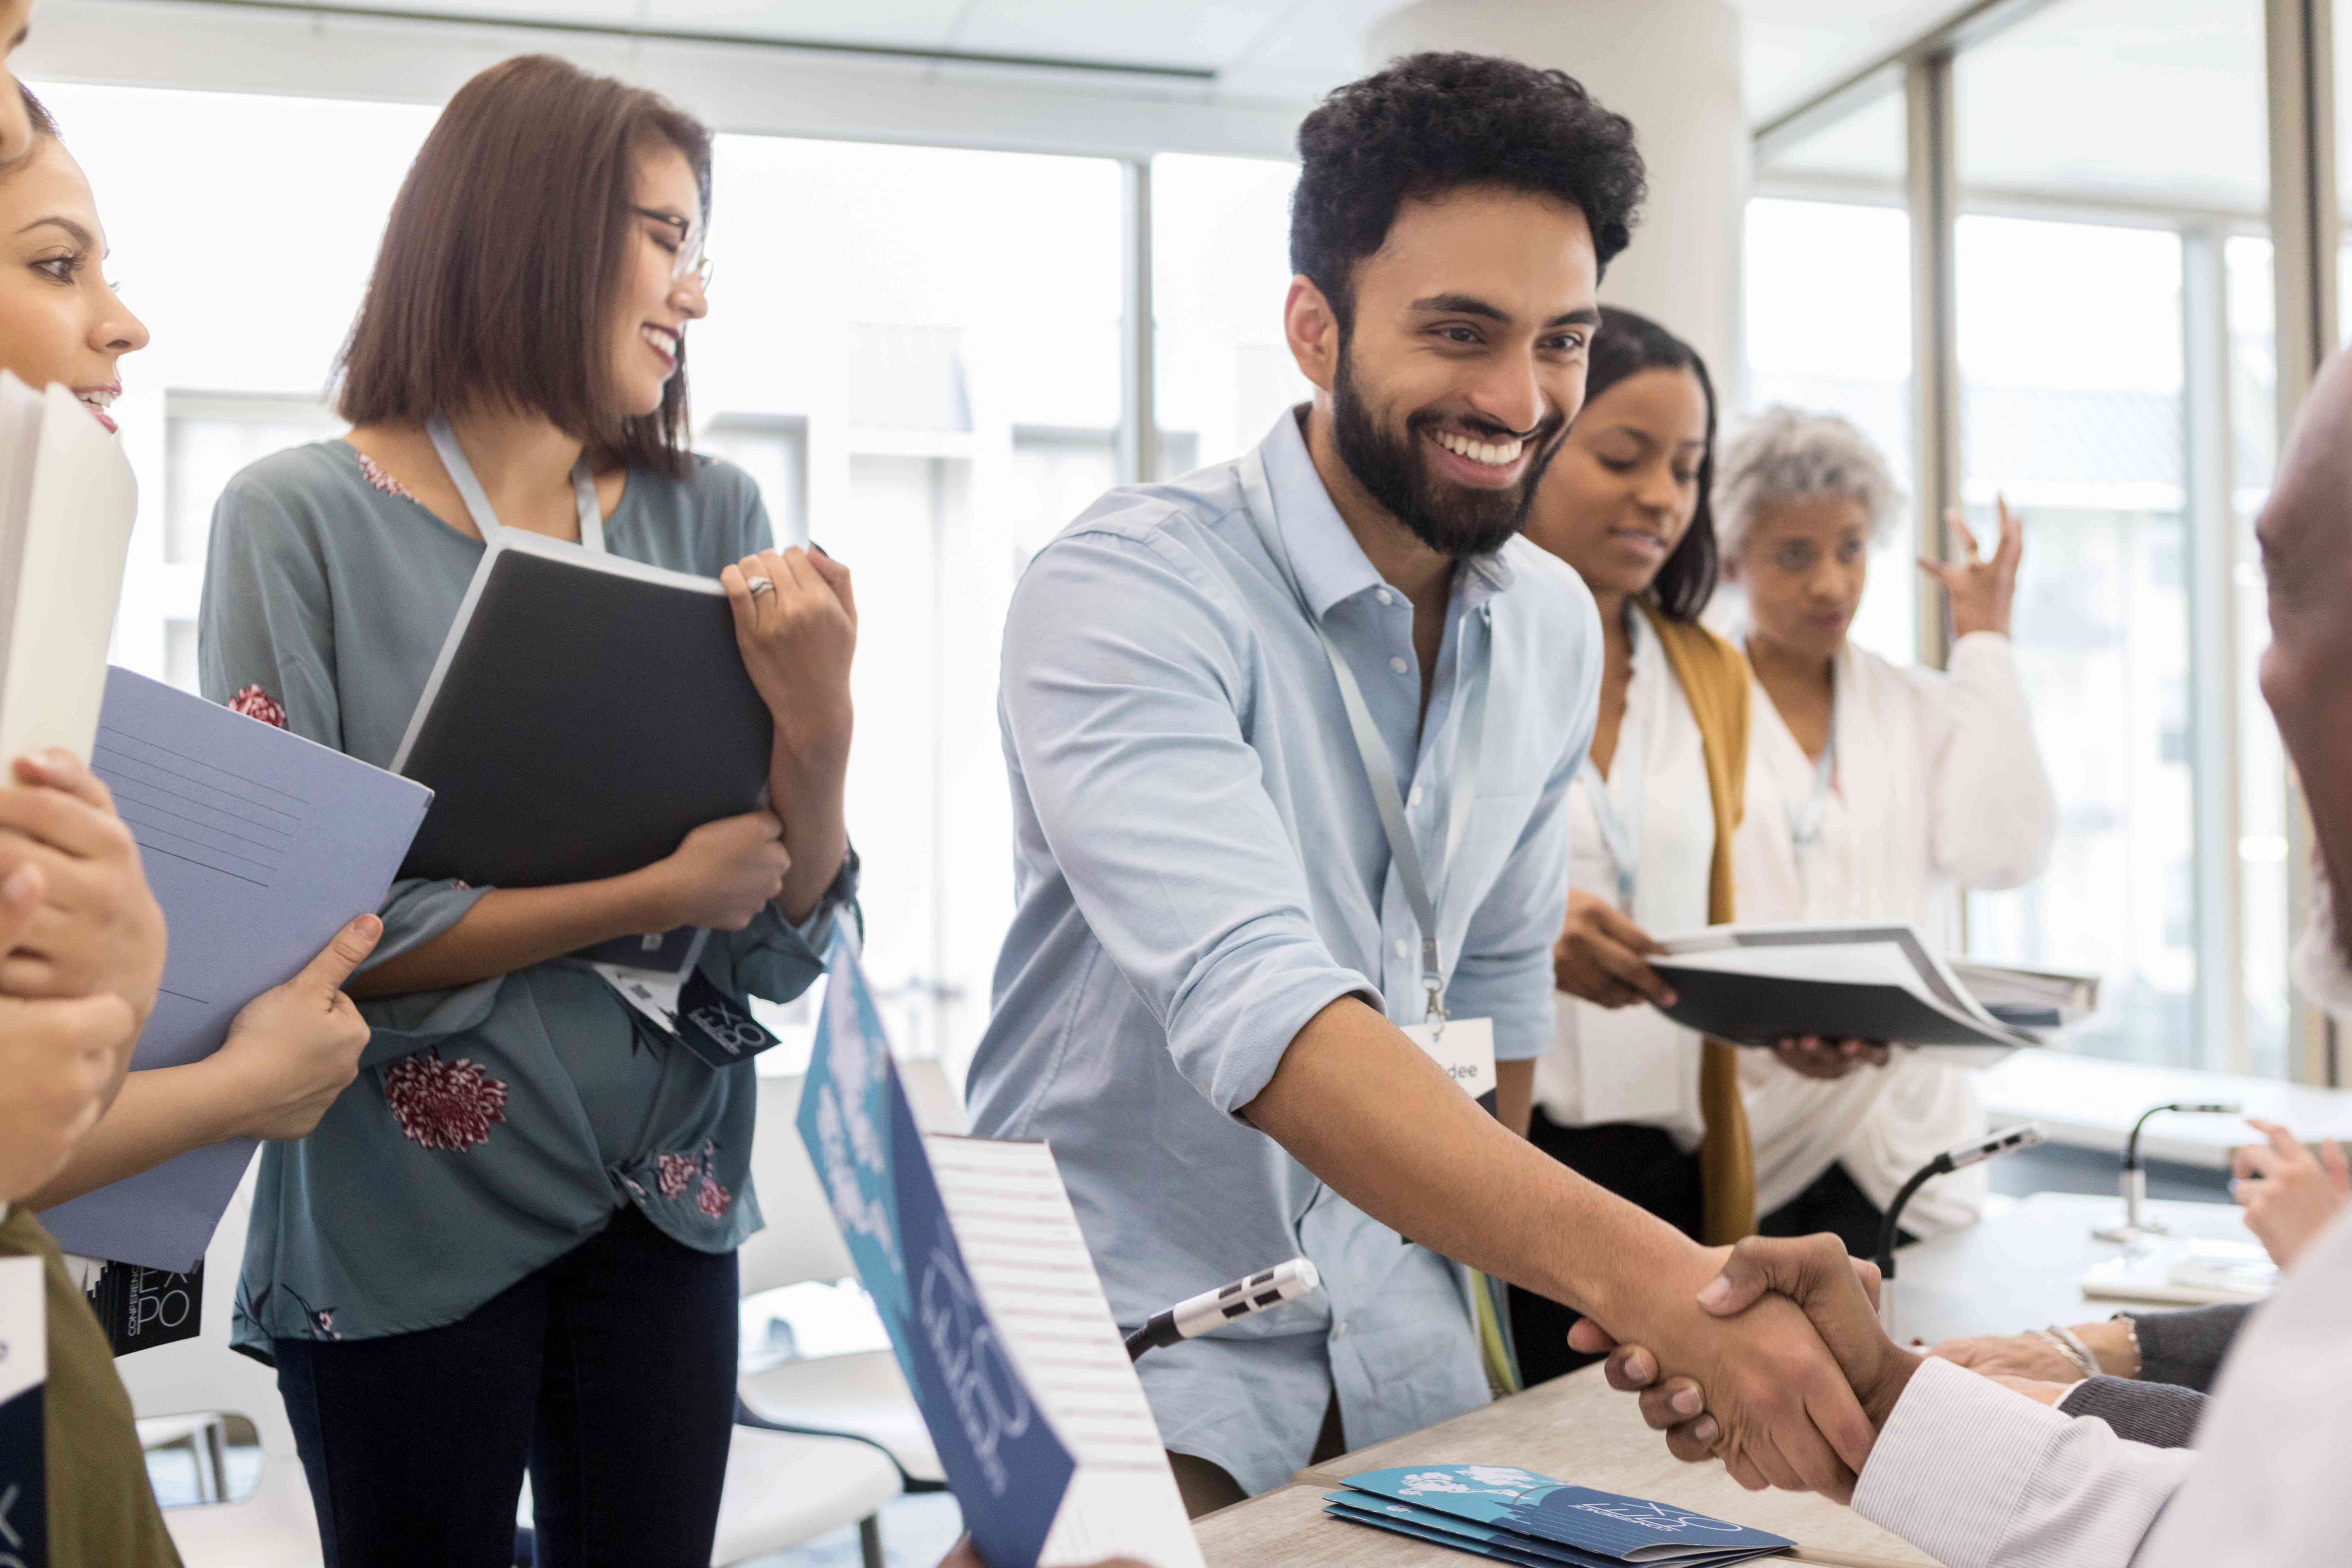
(610, 1373)
(1835, 1205)
(1640, 1164)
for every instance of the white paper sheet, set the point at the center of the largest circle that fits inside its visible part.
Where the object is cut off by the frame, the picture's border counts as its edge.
(67, 503)
(1021, 1243)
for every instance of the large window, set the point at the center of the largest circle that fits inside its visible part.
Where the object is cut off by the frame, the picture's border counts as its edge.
(2072, 409)
(1220, 265)
(2109, 312)
(1829, 327)
(930, 391)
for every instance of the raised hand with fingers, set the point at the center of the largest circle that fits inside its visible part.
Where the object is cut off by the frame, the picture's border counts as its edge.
(98, 928)
(2289, 1193)
(1980, 591)
(1600, 956)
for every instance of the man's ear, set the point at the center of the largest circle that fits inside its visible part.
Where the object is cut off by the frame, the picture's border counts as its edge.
(1312, 330)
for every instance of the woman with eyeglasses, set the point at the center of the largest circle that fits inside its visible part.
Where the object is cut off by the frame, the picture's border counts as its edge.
(510, 1242)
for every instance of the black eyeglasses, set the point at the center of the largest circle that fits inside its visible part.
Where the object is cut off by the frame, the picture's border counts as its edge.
(691, 261)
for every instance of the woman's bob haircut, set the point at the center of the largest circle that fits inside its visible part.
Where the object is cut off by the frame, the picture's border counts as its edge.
(496, 283)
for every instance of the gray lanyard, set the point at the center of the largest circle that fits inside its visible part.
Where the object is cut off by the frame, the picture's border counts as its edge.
(1805, 826)
(478, 504)
(1373, 748)
(1622, 843)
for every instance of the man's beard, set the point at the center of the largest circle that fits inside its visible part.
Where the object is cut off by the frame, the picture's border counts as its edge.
(1455, 520)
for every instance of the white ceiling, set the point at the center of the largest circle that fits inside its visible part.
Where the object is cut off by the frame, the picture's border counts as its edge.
(1282, 49)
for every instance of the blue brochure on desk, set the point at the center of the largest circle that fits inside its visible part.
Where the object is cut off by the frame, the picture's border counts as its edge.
(974, 1258)
(1516, 1516)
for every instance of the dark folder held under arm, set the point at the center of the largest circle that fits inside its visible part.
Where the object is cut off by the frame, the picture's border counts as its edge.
(587, 712)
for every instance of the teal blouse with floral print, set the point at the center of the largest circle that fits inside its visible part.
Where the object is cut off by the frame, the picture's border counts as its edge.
(496, 1126)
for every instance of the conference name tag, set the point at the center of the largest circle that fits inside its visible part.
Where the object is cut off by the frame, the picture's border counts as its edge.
(142, 1308)
(23, 1454)
(1464, 1048)
(690, 1011)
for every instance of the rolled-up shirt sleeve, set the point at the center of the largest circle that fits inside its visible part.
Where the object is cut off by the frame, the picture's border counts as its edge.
(1979, 1475)
(265, 646)
(1126, 729)
(1992, 813)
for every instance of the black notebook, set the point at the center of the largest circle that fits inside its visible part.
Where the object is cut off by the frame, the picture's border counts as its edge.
(587, 712)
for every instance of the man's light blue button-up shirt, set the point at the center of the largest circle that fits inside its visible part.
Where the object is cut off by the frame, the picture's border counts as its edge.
(1200, 869)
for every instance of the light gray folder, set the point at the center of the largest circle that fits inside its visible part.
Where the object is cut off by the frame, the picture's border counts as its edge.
(259, 845)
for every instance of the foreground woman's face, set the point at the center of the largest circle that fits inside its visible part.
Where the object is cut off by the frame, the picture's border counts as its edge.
(60, 320)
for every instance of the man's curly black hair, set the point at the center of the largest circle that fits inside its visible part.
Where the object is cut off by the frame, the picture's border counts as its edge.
(1435, 123)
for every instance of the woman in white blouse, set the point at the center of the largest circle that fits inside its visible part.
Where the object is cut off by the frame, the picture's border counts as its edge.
(1874, 791)
(1626, 1096)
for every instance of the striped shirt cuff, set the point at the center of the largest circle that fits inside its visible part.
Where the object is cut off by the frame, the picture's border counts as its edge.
(1979, 1475)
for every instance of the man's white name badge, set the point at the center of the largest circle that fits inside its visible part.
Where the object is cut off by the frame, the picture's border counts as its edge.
(24, 1454)
(1464, 1048)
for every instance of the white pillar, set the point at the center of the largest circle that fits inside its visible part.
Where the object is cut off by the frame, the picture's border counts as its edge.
(1672, 67)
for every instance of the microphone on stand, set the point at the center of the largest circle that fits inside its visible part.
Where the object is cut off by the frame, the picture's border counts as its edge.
(2025, 1135)
(2134, 1180)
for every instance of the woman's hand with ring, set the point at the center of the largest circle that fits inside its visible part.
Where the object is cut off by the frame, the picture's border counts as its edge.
(796, 625)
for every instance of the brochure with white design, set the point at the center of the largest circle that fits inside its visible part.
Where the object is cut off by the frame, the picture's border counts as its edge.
(260, 845)
(23, 1432)
(1511, 1515)
(67, 501)
(974, 1258)
(1756, 985)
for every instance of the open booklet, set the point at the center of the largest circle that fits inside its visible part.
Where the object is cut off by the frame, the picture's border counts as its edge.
(974, 1258)
(67, 503)
(1755, 984)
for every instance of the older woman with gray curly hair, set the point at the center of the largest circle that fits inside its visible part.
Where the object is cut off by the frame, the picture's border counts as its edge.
(1876, 790)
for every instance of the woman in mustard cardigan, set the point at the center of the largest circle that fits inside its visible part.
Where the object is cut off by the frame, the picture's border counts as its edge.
(1626, 1096)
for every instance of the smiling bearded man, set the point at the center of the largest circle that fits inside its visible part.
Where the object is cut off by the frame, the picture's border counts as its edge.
(1290, 743)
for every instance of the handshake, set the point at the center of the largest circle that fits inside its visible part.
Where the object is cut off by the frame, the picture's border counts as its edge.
(1799, 1401)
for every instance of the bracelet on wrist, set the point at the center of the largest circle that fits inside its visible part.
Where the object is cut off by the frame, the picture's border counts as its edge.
(2069, 1344)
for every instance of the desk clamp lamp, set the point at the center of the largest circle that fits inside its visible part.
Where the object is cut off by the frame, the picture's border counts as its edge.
(2025, 1135)
(2136, 1222)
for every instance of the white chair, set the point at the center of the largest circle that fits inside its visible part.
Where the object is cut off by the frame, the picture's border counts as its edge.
(861, 1394)
(784, 1488)
(276, 1527)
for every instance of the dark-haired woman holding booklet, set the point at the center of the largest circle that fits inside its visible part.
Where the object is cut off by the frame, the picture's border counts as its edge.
(510, 1242)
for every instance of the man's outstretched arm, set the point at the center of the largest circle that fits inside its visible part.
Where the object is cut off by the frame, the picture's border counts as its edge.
(1358, 1104)
(1979, 1475)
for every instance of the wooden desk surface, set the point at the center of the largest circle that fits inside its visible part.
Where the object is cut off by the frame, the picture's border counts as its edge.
(2017, 1269)
(1575, 1429)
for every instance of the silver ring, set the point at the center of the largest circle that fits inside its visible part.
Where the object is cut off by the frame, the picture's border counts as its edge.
(759, 585)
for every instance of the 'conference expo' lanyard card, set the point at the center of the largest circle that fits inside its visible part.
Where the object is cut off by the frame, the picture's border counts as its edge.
(690, 1011)
(141, 1308)
(1464, 1048)
(24, 1456)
